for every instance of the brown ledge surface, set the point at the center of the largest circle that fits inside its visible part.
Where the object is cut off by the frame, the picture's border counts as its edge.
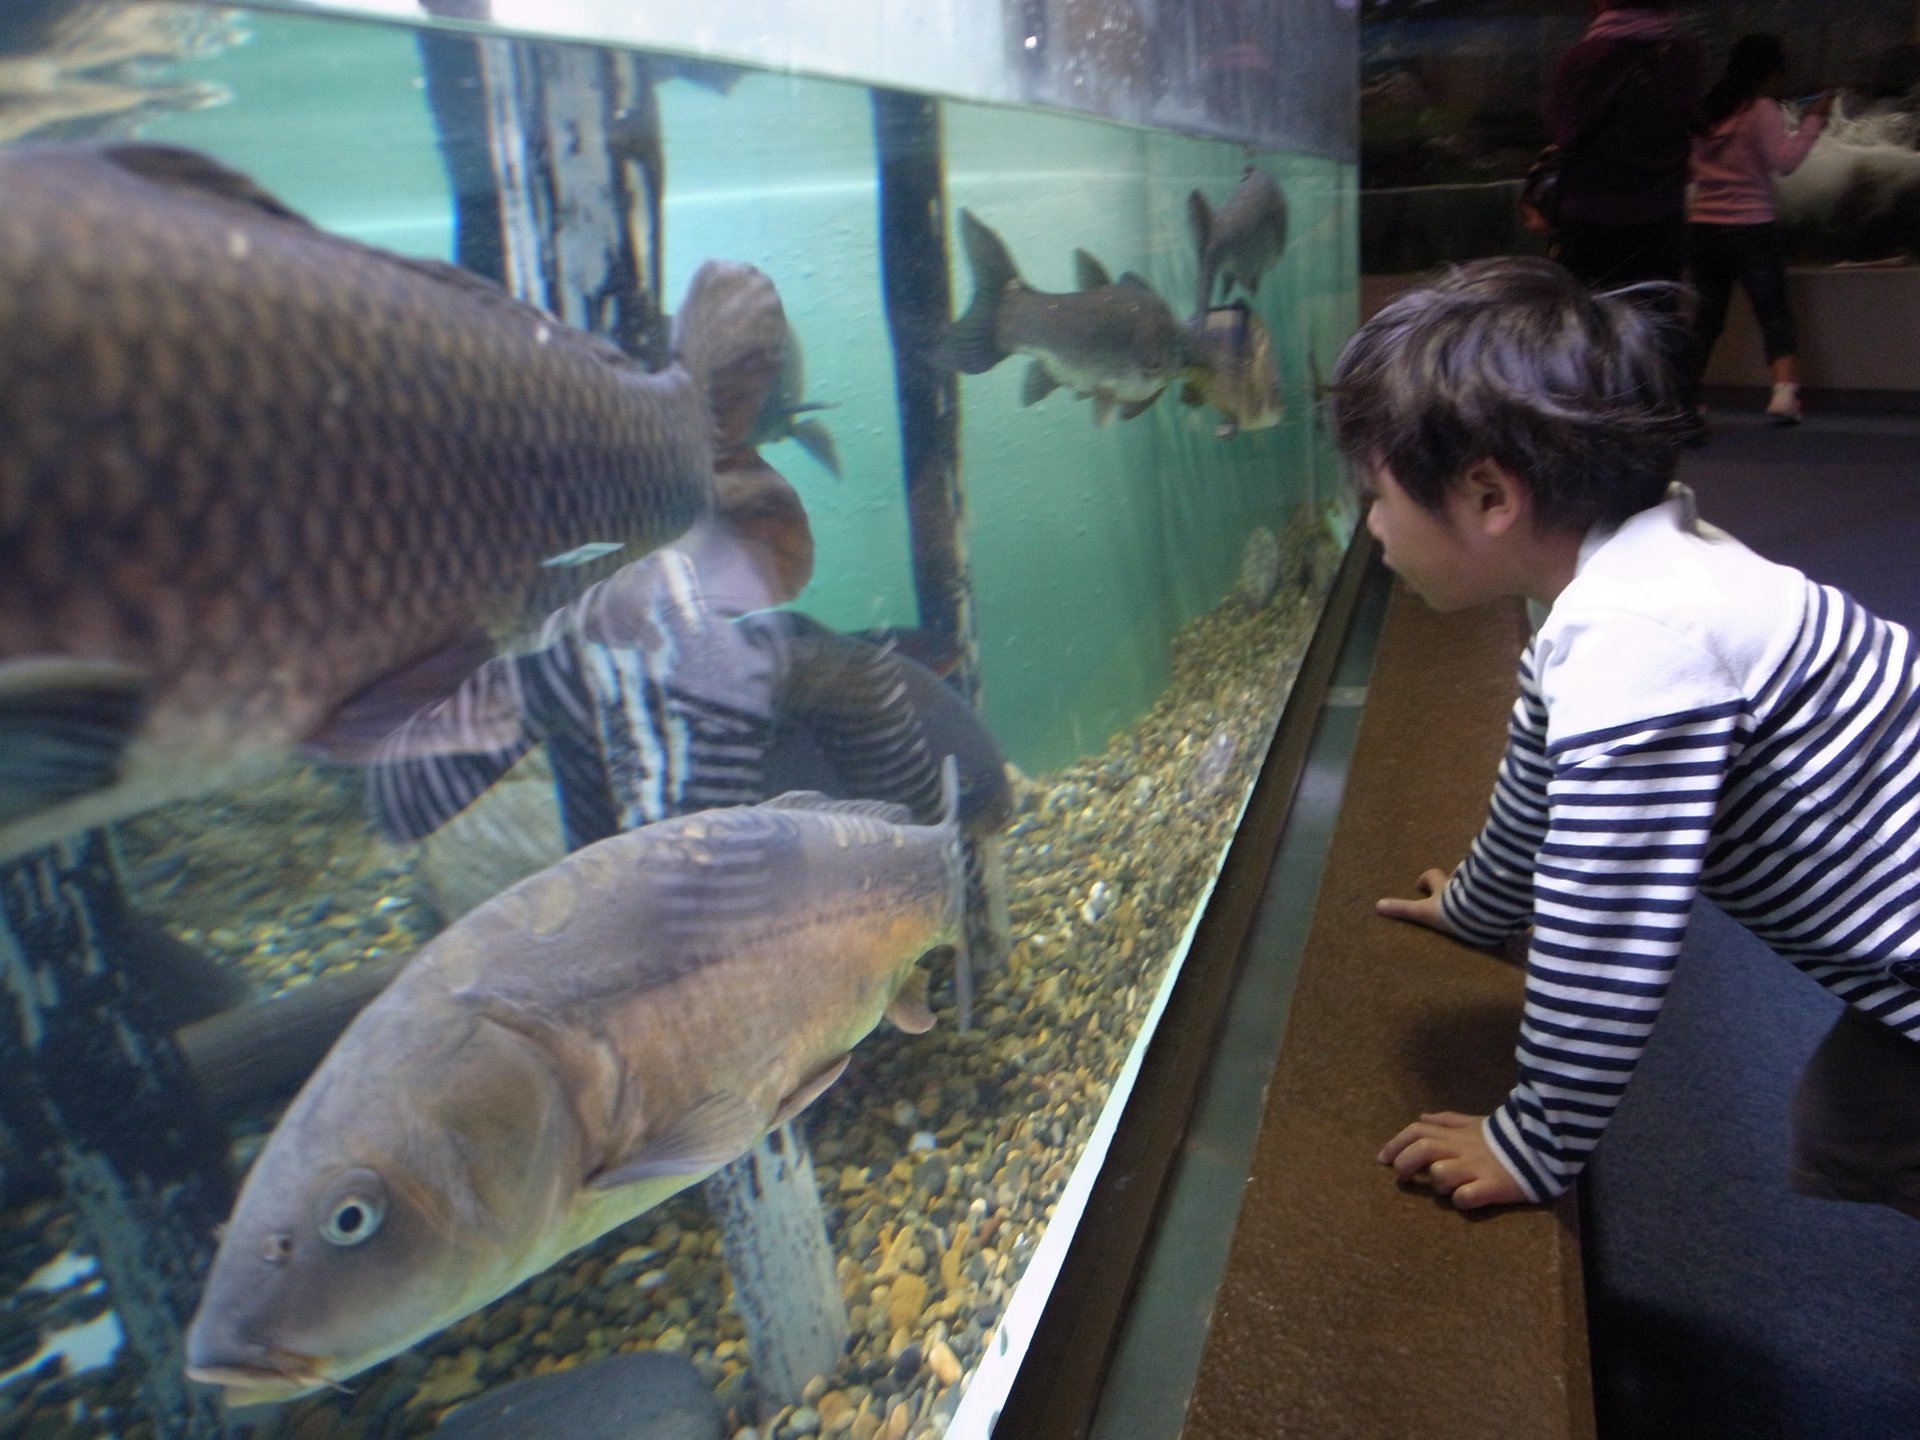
(1352, 1307)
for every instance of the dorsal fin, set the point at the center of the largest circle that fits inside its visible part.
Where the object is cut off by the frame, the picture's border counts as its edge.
(813, 800)
(197, 174)
(1089, 272)
(185, 169)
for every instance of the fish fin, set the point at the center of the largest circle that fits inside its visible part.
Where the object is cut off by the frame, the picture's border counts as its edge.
(814, 438)
(813, 800)
(809, 1090)
(1134, 408)
(1190, 394)
(908, 1010)
(1089, 273)
(720, 1128)
(1038, 385)
(182, 983)
(358, 732)
(583, 554)
(731, 335)
(411, 797)
(1102, 406)
(1199, 221)
(759, 529)
(1226, 430)
(64, 728)
(183, 169)
(971, 345)
(1135, 280)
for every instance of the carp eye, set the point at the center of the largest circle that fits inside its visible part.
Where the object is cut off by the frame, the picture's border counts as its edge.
(352, 1220)
(353, 1212)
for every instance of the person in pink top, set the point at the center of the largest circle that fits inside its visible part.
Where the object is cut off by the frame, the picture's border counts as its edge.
(1731, 234)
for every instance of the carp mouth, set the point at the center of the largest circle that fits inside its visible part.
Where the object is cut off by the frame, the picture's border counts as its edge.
(274, 1375)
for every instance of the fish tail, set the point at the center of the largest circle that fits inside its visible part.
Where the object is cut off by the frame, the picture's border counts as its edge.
(731, 334)
(972, 344)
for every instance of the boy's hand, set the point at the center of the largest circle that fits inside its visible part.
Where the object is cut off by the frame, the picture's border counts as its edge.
(1452, 1149)
(1423, 910)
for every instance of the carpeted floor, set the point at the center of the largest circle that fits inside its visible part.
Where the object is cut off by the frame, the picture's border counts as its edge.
(1721, 1305)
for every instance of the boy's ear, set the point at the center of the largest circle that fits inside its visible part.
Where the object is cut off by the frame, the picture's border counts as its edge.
(1498, 499)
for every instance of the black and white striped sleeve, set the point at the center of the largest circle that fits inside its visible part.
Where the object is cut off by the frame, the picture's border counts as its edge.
(1491, 894)
(1631, 812)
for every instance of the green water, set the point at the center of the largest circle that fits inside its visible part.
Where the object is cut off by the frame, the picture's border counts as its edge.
(1090, 547)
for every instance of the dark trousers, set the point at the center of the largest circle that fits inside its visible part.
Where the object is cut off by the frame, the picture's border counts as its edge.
(1606, 257)
(1755, 257)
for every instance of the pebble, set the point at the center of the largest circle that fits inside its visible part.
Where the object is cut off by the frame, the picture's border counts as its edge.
(905, 1302)
(944, 1363)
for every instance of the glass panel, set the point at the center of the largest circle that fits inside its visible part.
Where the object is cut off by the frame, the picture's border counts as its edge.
(1276, 75)
(338, 593)
(1451, 108)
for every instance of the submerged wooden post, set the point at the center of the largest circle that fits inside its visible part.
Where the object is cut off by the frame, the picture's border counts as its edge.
(90, 1078)
(768, 1206)
(919, 296)
(575, 139)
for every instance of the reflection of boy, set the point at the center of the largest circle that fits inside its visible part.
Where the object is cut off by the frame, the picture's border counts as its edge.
(1693, 719)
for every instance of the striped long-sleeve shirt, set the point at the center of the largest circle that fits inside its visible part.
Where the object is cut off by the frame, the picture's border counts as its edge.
(1693, 719)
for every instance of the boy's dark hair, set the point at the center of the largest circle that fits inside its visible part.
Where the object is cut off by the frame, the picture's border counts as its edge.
(1513, 360)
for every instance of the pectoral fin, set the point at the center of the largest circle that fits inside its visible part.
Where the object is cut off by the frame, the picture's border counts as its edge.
(357, 733)
(64, 726)
(1137, 407)
(909, 1011)
(721, 1128)
(1038, 385)
(808, 1091)
(814, 438)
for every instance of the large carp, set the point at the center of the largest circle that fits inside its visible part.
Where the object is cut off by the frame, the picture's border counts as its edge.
(265, 488)
(567, 1055)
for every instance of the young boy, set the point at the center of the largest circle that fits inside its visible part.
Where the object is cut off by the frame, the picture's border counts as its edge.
(1693, 719)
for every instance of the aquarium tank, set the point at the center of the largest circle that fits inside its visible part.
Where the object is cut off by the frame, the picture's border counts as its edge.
(629, 648)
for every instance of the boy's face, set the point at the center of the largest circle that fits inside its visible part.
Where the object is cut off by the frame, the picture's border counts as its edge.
(1433, 553)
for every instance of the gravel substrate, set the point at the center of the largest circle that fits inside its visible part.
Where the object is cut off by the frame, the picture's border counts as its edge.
(940, 1156)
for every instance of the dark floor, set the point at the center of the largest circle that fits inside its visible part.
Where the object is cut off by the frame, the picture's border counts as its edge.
(1722, 1305)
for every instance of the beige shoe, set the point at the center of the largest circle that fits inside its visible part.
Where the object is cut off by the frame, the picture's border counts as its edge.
(1784, 407)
